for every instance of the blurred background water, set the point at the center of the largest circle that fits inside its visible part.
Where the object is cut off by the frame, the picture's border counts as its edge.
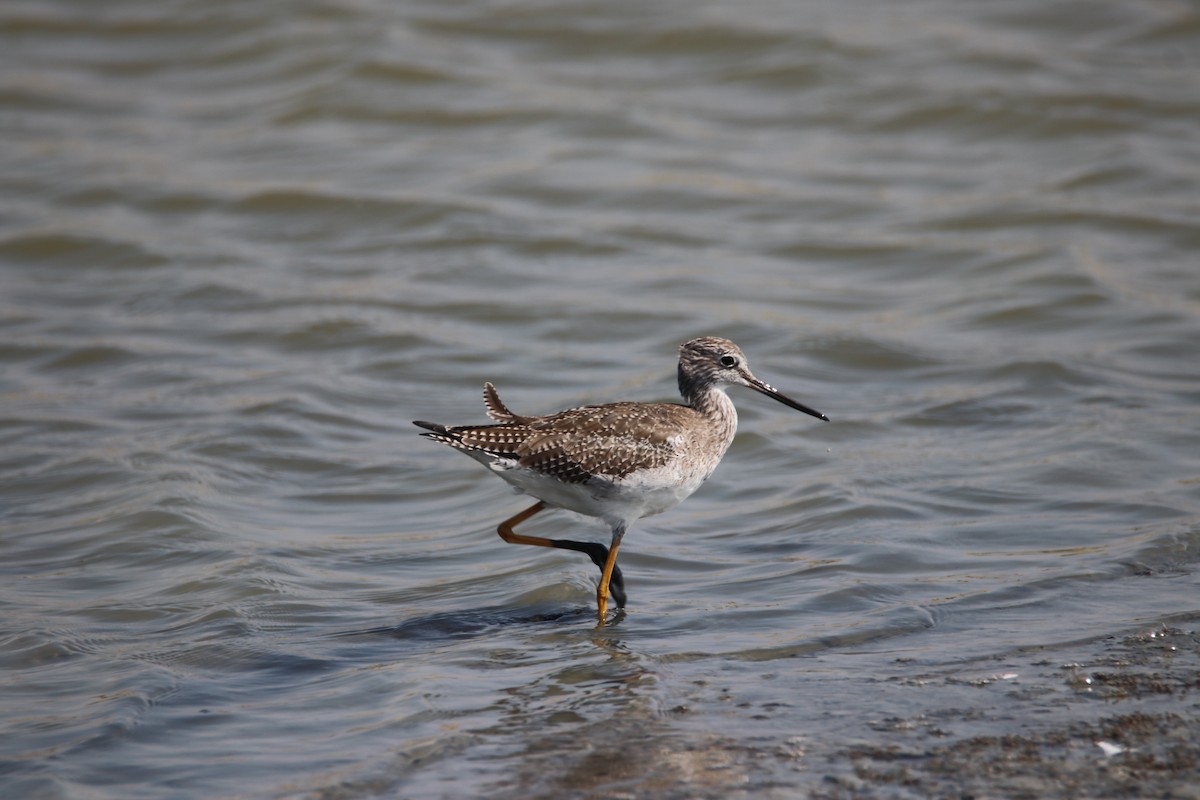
(242, 245)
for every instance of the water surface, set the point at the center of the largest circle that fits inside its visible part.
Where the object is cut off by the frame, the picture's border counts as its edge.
(242, 246)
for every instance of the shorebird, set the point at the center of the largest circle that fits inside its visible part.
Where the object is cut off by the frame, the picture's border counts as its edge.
(619, 461)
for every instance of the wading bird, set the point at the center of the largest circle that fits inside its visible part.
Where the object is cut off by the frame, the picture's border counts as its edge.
(619, 461)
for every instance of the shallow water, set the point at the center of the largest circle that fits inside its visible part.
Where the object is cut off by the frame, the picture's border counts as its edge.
(242, 246)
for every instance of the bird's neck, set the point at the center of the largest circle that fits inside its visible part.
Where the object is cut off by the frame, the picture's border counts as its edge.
(714, 404)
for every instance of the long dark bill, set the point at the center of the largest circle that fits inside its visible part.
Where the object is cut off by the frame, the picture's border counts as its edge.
(772, 392)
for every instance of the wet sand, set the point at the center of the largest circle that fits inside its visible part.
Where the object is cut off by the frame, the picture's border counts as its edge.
(1110, 717)
(1117, 719)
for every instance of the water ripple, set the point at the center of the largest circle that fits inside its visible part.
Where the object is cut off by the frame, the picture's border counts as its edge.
(245, 244)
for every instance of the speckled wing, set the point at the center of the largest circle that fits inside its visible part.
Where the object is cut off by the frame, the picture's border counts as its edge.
(579, 444)
(608, 441)
(499, 441)
(495, 406)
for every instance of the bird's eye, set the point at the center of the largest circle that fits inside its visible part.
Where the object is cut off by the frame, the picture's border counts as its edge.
(728, 361)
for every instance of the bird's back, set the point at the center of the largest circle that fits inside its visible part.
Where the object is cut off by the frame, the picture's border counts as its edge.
(618, 461)
(610, 441)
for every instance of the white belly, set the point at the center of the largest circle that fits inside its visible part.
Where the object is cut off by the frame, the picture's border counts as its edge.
(641, 494)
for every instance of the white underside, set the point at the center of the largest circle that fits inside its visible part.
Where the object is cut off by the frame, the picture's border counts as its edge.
(618, 502)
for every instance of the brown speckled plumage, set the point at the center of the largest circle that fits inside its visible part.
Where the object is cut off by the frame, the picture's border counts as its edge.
(573, 446)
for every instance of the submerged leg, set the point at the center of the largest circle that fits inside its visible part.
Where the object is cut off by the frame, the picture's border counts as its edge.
(594, 550)
(598, 553)
(606, 573)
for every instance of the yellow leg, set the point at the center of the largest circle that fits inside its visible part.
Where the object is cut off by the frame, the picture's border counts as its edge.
(606, 560)
(509, 535)
(606, 574)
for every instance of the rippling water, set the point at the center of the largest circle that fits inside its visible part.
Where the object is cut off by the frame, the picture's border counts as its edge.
(242, 245)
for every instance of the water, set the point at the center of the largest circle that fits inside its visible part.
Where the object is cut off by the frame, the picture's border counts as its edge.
(242, 246)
